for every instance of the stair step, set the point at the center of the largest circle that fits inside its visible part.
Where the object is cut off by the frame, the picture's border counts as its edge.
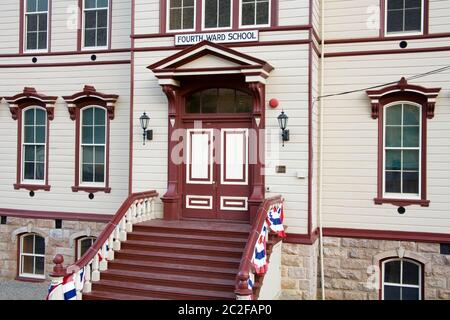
(180, 258)
(187, 248)
(160, 291)
(206, 240)
(100, 295)
(168, 280)
(171, 268)
(183, 229)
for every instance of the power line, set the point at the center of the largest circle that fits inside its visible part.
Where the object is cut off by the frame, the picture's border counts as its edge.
(417, 76)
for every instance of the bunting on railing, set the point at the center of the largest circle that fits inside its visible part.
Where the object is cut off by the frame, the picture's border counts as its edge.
(275, 218)
(67, 285)
(79, 279)
(259, 259)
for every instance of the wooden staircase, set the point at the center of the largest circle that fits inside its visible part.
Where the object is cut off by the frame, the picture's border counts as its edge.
(189, 260)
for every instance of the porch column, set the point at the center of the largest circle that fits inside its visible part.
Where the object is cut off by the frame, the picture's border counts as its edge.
(257, 172)
(172, 199)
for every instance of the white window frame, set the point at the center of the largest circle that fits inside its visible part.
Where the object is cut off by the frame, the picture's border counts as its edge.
(391, 195)
(383, 273)
(83, 30)
(34, 255)
(403, 33)
(23, 144)
(241, 26)
(216, 28)
(79, 240)
(25, 30)
(180, 30)
(105, 145)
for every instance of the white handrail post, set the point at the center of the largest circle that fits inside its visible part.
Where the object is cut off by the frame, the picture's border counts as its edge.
(129, 223)
(116, 244)
(110, 247)
(95, 269)
(123, 228)
(87, 279)
(104, 252)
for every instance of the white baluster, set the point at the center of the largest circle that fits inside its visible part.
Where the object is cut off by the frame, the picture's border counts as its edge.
(129, 223)
(110, 247)
(123, 228)
(152, 208)
(87, 278)
(79, 285)
(104, 252)
(140, 211)
(95, 269)
(133, 213)
(116, 245)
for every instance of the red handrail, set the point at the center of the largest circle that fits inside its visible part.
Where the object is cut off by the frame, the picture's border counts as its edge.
(112, 224)
(244, 267)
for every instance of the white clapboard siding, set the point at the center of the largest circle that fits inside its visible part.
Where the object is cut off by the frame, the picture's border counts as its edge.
(293, 12)
(9, 22)
(351, 139)
(62, 81)
(288, 83)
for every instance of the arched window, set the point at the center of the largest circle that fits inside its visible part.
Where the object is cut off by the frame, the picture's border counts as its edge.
(93, 146)
(402, 146)
(34, 145)
(402, 280)
(83, 245)
(32, 256)
(219, 100)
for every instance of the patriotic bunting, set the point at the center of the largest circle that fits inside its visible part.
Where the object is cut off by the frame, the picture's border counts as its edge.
(275, 218)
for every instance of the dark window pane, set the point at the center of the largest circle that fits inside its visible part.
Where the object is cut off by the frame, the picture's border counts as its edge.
(89, 38)
(391, 293)
(248, 14)
(31, 5)
(40, 117)
(39, 171)
(40, 153)
(262, 13)
(85, 245)
(224, 13)
(393, 182)
(102, 18)
(100, 155)
(42, 22)
(411, 137)
(40, 134)
(226, 101)
(188, 3)
(411, 160)
(29, 171)
(29, 116)
(410, 273)
(27, 264)
(393, 136)
(102, 35)
(88, 155)
(102, 3)
(89, 4)
(32, 40)
(209, 101)
(188, 18)
(413, 20)
(193, 103)
(27, 244)
(394, 115)
(395, 21)
(39, 245)
(99, 137)
(411, 115)
(29, 153)
(42, 5)
(88, 173)
(392, 271)
(244, 102)
(410, 293)
(210, 13)
(88, 116)
(87, 135)
(411, 182)
(90, 19)
(99, 173)
(42, 40)
(413, 3)
(29, 134)
(39, 265)
(393, 160)
(32, 22)
(100, 116)
(175, 19)
(175, 3)
(395, 4)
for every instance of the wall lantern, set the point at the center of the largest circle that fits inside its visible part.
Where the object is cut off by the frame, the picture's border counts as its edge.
(282, 122)
(148, 134)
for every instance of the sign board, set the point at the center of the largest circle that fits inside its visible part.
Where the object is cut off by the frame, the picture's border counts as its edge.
(217, 37)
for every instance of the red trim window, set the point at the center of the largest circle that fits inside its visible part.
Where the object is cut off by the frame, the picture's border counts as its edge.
(254, 13)
(82, 246)
(181, 15)
(31, 256)
(92, 112)
(402, 111)
(96, 24)
(36, 25)
(33, 113)
(402, 279)
(405, 17)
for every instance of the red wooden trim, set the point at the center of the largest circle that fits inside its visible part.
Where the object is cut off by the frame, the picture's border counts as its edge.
(33, 187)
(387, 235)
(274, 8)
(235, 17)
(110, 25)
(64, 64)
(22, 25)
(383, 52)
(310, 138)
(198, 15)
(403, 202)
(393, 38)
(305, 239)
(80, 25)
(426, 18)
(64, 53)
(382, 17)
(131, 140)
(49, 215)
(50, 10)
(91, 189)
(162, 17)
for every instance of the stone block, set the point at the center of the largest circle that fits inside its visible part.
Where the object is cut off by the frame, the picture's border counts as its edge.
(436, 282)
(431, 294)
(360, 243)
(444, 294)
(331, 262)
(289, 284)
(428, 247)
(331, 242)
(334, 252)
(291, 260)
(350, 295)
(355, 264)
(343, 284)
(296, 273)
(333, 295)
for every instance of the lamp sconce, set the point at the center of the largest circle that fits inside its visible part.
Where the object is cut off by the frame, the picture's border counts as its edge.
(147, 134)
(282, 122)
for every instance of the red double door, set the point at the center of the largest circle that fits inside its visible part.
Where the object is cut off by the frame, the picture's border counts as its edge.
(216, 171)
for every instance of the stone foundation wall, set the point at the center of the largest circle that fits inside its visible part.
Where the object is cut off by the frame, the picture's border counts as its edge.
(352, 267)
(299, 271)
(58, 241)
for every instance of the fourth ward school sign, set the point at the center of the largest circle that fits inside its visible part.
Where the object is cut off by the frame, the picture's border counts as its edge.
(217, 37)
